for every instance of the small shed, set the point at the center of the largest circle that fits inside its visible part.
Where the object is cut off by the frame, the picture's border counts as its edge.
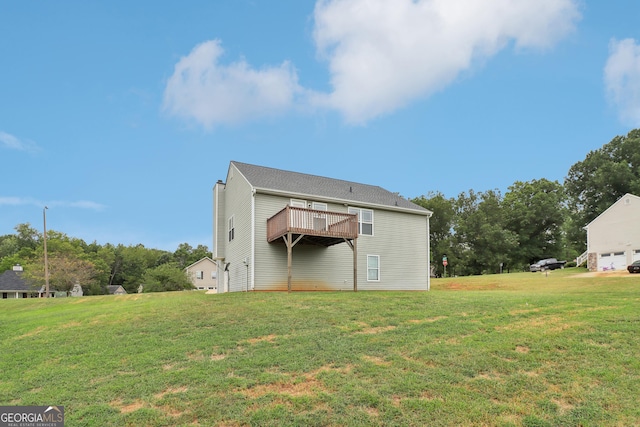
(116, 290)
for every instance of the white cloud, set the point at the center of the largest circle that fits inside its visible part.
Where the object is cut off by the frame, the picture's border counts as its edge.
(203, 89)
(14, 143)
(381, 54)
(622, 79)
(384, 54)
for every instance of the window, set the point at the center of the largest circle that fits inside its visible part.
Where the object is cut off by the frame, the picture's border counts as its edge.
(199, 275)
(373, 268)
(319, 219)
(232, 230)
(213, 274)
(365, 220)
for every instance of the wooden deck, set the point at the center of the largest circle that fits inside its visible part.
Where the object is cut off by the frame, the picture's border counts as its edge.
(311, 226)
(299, 225)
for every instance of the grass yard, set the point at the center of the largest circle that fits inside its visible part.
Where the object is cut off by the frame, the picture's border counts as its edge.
(518, 349)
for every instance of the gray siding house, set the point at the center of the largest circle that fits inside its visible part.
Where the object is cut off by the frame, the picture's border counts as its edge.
(277, 230)
(613, 238)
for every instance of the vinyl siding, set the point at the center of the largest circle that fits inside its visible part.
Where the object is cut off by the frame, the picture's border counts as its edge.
(616, 229)
(237, 199)
(400, 239)
(219, 220)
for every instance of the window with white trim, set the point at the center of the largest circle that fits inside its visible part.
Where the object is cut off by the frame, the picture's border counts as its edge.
(199, 275)
(373, 268)
(319, 219)
(365, 220)
(232, 230)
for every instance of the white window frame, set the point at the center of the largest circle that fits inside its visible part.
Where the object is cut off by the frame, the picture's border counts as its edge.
(376, 268)
(319, 219)
(199, 275)
(359, 212)
(298, 203)
(231, 230)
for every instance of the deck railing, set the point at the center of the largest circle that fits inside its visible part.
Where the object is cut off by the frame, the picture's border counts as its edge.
(312, 222)
(582, 258)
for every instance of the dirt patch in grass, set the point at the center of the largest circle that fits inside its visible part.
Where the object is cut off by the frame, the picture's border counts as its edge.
(127, 408)
(309, 386)
(36, 331)
(297, 385)
(377, 360)
(427, 320)
(613, 273)
(267, 338)
(377, 330)
(522, 349)
(542, 323)
(171, 390)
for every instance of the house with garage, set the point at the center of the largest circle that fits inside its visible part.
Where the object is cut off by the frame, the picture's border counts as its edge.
(203, 274)
(277, 230)
(14, 285)
(613, 238)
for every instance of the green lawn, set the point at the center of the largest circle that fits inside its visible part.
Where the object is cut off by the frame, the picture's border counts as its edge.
(519, 349)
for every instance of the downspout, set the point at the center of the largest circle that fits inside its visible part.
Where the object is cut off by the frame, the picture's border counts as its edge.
(253, 238)
(428, 254)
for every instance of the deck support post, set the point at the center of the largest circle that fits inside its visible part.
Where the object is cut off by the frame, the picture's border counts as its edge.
(353, 244)
(288, 239)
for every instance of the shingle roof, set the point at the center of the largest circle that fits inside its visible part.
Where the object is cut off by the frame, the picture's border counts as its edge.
(13, 281)
(265, 178)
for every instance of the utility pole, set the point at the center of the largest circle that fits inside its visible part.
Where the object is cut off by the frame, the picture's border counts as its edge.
(46, 261)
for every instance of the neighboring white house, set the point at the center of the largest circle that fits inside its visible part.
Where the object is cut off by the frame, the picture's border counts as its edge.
(613, 238)
(203, 274)
(282, 230)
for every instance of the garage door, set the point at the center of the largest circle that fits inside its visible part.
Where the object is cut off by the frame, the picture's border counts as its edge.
(612, 261)
(636, 255)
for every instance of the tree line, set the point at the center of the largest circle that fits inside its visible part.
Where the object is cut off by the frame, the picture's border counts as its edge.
(488, 232)
(94, 266)
(478, 232)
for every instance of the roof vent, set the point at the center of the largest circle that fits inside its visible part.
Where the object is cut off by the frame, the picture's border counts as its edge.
(17, 267)
(350, 189)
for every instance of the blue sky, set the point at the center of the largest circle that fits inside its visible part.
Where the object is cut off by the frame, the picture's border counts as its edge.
(120, 116)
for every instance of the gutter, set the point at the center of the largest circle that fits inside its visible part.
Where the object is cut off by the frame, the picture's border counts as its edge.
(345, 202)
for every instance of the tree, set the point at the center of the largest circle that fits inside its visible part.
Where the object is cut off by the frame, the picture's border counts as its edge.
(535, 212)
(186, 255)
(440, 225)
(166, 277)
(481, 241)
(65, 270)
(603, 177)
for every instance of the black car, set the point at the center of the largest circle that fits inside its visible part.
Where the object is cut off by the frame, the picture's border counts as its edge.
(635, 267)
(546, 264)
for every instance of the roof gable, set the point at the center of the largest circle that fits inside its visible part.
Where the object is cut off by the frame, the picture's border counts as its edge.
(313, 186)
(622, 200)
(205, 260)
